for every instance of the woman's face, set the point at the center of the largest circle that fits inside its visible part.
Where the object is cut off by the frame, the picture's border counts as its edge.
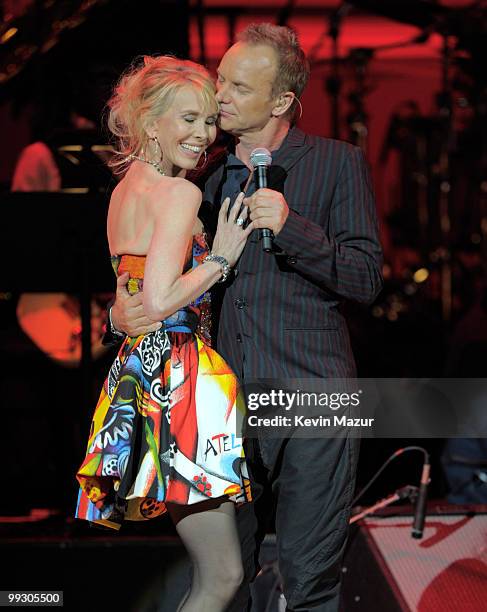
(184, 131)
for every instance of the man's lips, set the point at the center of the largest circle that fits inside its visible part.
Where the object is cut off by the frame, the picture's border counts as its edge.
(225, 113)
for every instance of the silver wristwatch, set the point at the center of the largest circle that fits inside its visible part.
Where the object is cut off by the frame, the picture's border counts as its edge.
(226, 269)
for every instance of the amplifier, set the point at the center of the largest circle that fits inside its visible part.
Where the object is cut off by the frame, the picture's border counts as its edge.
(386, 569)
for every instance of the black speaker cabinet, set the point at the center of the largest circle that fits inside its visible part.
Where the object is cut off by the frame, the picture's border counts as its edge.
(99, 571)
(99, 574)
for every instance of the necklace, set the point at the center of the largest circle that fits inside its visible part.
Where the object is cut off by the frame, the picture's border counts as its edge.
(146, 161)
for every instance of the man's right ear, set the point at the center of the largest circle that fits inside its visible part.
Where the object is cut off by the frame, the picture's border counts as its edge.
(283, 103)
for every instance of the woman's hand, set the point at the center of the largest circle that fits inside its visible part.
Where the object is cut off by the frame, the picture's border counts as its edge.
(230, 237)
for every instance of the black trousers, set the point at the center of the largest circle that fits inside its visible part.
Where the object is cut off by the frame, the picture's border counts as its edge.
(310, 484)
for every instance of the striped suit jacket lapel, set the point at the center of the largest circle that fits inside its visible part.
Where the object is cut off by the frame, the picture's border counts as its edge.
(291, 151)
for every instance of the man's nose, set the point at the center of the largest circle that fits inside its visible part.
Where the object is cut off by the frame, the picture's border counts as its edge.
(221, 93)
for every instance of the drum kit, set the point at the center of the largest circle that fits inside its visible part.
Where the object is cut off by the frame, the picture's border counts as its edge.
(438, 228)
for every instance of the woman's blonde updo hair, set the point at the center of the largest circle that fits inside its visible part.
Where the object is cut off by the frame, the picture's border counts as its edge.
(144, 92)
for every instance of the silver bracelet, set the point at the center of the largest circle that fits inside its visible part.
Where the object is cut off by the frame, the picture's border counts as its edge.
(113, 330)
(225, 267)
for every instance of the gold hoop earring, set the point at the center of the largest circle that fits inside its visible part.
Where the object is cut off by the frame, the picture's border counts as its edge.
(156, 140)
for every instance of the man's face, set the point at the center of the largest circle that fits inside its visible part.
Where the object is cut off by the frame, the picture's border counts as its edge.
(245, 77)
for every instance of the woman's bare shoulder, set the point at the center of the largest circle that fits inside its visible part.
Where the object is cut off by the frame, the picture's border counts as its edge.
(171, 192)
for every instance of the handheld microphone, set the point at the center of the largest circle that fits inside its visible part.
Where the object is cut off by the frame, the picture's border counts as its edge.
(260, 160)
(420, 510)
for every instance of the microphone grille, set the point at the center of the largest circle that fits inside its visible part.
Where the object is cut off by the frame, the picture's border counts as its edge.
(260, 157)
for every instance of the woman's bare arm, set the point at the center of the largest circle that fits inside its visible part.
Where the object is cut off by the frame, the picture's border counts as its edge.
(166, 289)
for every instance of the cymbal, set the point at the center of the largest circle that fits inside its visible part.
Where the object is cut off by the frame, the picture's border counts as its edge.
(421, 13)
(465, 22)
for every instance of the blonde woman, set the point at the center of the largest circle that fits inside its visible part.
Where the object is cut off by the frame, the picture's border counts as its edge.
(164, 435)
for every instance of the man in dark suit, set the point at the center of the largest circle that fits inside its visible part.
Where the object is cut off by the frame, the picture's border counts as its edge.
(279, 315)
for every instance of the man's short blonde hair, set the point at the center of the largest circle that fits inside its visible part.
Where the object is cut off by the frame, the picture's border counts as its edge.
(292, 66)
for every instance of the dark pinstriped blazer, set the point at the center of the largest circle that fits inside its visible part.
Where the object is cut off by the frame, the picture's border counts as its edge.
(280, 314)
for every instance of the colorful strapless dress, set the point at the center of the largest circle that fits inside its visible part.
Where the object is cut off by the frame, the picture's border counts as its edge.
(167, 425)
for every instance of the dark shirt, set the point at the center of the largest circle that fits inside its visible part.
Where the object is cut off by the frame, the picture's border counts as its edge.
(237, 175)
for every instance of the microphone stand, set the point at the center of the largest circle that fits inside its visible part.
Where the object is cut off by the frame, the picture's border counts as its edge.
(334, 81)
(357, 118)
(408, 491)
(444, 252)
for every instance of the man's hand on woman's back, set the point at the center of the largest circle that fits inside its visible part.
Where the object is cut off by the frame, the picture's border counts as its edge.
(128, 312)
